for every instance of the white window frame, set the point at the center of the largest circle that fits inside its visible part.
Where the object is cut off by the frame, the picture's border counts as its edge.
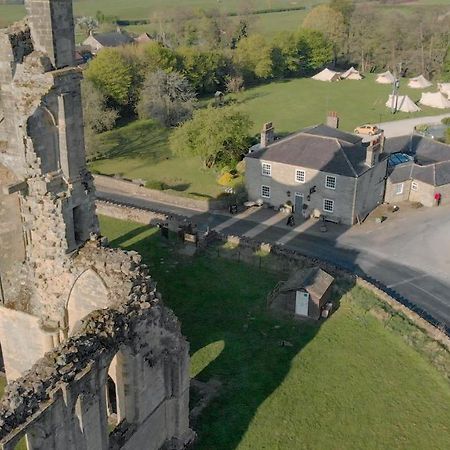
(414, 186)
(302, 171)
(399, 189)
(331, 177)
(262, 191)
(266, 169)
(325, 200)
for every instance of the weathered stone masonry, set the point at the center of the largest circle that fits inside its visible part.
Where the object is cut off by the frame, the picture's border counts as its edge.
(85, 339)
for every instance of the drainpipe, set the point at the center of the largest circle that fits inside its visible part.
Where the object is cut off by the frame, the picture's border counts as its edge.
(354, 199)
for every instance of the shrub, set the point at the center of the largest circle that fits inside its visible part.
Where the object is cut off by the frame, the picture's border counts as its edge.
(225, 179)
(240, 167)
(446, 121)
(157, 185)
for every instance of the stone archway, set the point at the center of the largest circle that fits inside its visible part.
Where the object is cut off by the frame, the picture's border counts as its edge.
(88, 293)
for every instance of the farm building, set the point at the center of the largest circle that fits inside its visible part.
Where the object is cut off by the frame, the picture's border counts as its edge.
(101, 40)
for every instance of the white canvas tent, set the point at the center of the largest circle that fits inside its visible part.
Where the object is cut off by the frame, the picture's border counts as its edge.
(435, 100)
(404, 104)
(419, 82)
(444, 88)
(351, 74)
(327, 75)
(385, 78)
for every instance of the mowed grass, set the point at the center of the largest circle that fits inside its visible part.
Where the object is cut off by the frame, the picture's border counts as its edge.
(298, 103)
(140, 150)
(348, 383)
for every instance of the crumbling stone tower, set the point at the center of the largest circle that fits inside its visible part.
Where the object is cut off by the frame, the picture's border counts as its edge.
(47, 199)
(85, 337)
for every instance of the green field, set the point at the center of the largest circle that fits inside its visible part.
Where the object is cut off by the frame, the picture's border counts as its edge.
(351, 383)
(140, 149)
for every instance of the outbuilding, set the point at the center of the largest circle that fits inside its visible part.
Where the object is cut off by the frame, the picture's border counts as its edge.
(304, 294)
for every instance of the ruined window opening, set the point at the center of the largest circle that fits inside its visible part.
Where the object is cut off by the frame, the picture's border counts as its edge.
(78, 225)
(115, 392)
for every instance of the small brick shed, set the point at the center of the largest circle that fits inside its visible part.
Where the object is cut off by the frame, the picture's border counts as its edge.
(304, 294)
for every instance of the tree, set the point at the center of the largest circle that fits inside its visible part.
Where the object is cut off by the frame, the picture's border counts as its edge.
(113, 75)
(330, 23)
(98, 117)
(219, 136)
(205, 69)
(446, 67)
(87, 24)
(156, 56)
(254, 56)
(167, 98)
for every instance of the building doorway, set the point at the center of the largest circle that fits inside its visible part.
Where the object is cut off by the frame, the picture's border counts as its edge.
(298, 203)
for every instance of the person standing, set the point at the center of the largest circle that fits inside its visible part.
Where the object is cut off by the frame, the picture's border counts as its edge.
(437, 198)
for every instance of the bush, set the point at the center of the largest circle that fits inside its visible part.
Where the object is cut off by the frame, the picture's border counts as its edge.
(446, 121)
(225, 179)
(240, 167)
(157, 185)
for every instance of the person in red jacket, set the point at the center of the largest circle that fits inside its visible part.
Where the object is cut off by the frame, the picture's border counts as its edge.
(437, 198)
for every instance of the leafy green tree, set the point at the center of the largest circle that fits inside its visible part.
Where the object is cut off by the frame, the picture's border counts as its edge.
(113, 75)
(205, 69)
(330, 23)
(167, 98)
(254, 57)
(155, 56)
(445, 75)
(219, 136)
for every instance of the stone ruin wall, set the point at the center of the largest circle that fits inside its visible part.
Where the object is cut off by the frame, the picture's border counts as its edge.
(61, 402)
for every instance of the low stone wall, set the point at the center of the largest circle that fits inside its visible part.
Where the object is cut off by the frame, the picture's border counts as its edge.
(133, 189)
(125, 212)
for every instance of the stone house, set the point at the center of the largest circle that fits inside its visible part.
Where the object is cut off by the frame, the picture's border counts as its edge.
(304, 294)
(418, 168)
(97, 41)
(320, 171)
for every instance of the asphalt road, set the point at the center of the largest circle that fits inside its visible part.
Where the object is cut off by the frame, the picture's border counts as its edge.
(406, 126)
(410, 253)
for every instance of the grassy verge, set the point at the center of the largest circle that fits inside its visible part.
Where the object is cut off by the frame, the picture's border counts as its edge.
(355, 381)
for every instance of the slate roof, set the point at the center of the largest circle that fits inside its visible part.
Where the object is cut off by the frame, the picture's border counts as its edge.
(431, 159)
(314, 280)
(321, 148)
(113, 39)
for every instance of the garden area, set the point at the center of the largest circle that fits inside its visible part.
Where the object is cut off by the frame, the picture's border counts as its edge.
(140, 149)
(365, 378)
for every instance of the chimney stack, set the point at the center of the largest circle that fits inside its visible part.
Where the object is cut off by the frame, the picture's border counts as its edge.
(374, 150)
(267, 134)
(333, 119)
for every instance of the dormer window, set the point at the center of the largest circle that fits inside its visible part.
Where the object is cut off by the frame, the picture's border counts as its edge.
(267, 169)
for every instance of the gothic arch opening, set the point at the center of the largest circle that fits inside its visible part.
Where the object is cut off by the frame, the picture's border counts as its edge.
(88, 294)
(44, 133)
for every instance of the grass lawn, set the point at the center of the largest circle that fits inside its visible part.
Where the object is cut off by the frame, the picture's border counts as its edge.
(297, 103)
(351, 383)
(140, 150)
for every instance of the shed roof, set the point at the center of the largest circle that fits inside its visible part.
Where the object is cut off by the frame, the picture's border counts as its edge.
(321, 148)
(113, 39)
(314, 280)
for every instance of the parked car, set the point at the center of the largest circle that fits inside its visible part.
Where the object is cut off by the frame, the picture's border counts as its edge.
(367, 129)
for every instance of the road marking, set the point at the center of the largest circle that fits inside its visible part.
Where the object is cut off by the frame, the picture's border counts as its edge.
(408, 280)
(440, 300)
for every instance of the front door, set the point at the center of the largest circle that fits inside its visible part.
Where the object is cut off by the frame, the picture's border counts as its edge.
(298, 205)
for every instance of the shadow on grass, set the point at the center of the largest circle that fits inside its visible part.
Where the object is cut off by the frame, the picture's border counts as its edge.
(223, 301)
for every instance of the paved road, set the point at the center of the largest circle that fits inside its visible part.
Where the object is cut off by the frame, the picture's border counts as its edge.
(406, 126)
(410, 253)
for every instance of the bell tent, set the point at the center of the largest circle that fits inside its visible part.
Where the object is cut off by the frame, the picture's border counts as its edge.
(351, 74)
(327, 75)
(435, 100)
(403, 103)
(444, 88)
(385, 78)
(419, 82)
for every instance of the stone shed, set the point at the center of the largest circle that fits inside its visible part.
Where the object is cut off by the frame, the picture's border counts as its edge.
(304, 294)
